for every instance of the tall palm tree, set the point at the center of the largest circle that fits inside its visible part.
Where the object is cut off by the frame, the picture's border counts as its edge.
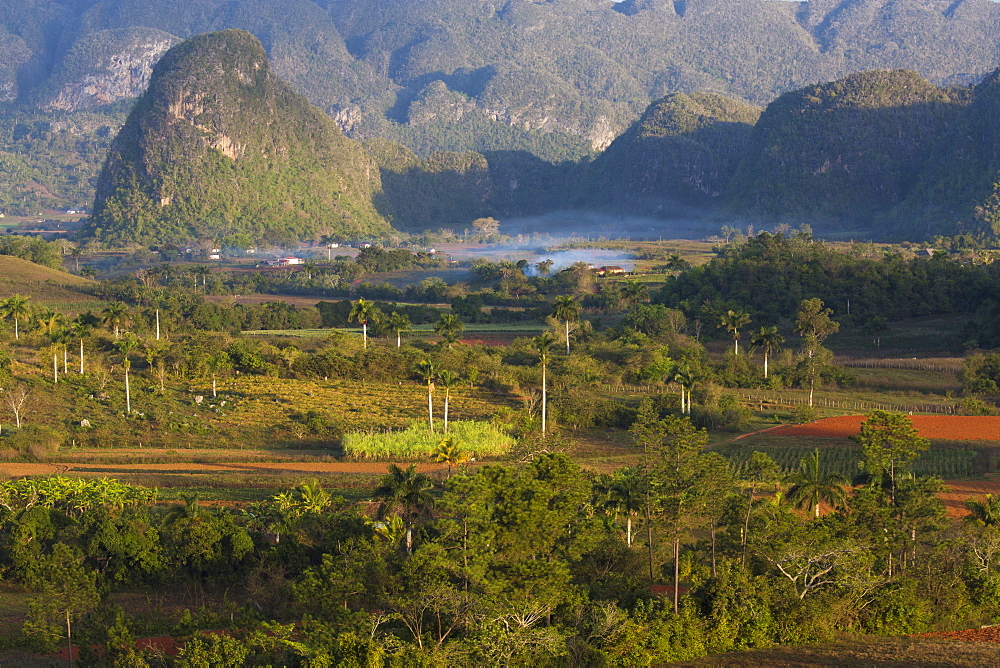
(810, 486)
(220, 361)
(125, 346)
(60, 339)
(399, 323)
(447, 379)
(364, 311)
(627, 494)
(767, 340)
(449, 326)
(566, 309)
(16, 308)
(450, 452)
(407, 492)
(676, 263)
(428, 371)
(115, 316)
(75, 253)
(733, 321)
(633, 293)
(683, 375)
(80, 329)
(543, 344)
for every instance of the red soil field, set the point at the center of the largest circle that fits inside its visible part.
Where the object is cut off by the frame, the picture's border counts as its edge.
(949, 427)
(958, 491)
(988, 634)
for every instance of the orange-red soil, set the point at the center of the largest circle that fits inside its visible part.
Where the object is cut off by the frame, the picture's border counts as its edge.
(988, 634)
(951, 427)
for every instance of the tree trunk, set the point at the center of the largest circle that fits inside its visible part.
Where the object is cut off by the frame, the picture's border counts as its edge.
(812, 386)
(69, 638)
(713, 548)
(157, 324)
(543, 399)
(446, 398)
(677, 573)
(65, 360)
(364, 334)
(55, 367)
(649, 541)
(128, 396)
(430, 407)
(409, 539)
(81, 356)
(746, 526)
(567, 337)
(765, 364)
(628, 530)
(399, 338)
(214, 395)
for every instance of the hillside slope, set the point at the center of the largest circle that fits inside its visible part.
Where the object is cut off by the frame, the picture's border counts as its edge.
(42, 284)
(221, 149)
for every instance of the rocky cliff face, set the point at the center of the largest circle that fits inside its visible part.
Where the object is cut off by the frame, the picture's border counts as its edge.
(220, 148)
(105, 67)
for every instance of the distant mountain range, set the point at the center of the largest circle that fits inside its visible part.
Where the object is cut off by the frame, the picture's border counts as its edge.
(498, 74)
(700, 105)
(220, 148)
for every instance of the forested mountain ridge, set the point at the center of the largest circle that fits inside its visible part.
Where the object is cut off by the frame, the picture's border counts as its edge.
(506, 70)
(220, 148)
(884, 153)
(852, 147)
(685, 148)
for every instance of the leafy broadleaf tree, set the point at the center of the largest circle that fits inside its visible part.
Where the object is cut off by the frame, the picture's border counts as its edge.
(889, 442)
(68, 590)
(814, 324)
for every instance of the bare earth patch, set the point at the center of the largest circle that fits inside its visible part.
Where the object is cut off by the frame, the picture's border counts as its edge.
(944, 427)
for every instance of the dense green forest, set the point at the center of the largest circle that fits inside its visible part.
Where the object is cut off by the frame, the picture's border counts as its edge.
(697, 545)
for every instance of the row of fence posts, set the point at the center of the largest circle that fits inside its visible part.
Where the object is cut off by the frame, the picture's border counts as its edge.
(819, 402)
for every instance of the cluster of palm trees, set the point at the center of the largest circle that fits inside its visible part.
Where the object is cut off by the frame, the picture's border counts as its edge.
(433, 375)
(366, 312)
(767, 339)
(627, 491)
(60, 331)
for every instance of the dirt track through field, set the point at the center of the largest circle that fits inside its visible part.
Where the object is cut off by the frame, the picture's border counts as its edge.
(307, 468)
